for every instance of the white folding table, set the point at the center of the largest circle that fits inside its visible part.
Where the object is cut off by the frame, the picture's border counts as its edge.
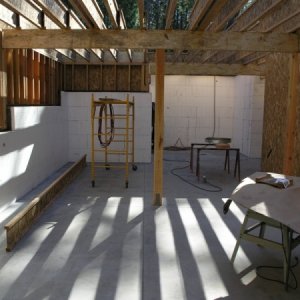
(270, 206)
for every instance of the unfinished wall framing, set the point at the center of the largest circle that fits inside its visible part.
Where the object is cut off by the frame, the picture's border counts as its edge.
(32, 78)
(106, 77)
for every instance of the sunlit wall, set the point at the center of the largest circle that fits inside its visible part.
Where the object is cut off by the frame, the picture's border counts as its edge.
(33, 150)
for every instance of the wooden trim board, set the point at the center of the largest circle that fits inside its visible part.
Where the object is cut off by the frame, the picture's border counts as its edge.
(20, 224)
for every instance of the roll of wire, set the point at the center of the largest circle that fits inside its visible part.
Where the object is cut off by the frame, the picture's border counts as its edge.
(103, 116)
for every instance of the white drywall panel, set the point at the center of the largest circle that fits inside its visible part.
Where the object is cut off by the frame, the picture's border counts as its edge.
(77, 106)
(200, 106)
(32, 151)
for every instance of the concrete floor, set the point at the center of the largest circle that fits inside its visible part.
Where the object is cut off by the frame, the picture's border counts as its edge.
(109, 242)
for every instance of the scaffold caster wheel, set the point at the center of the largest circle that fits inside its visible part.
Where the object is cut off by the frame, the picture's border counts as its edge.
(107, 167)
(134, 167)
(93, 183)
(126, 184)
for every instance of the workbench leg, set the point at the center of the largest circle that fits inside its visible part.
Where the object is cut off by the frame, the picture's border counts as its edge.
(227, 160)
(286, 244)
(191, 157)
(243, 227)
(237, 166)
(198, 164)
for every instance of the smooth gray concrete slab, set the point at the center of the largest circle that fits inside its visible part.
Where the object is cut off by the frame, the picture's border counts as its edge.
(109, 242)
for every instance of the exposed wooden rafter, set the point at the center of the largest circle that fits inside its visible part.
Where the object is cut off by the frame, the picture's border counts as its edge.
(199, 10)
(227, 12)
(117, 19)
(141, 13)
(30, 17)
(139, 39)
(63, 18)
(170, 13)
(251, 16)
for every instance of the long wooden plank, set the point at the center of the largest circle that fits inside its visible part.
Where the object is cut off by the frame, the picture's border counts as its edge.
(170, 13)
(159, 128)
(3, 86)
(21, 223)
(160, 39)
(289, 153)
(209, 69)
(199, 10)
(16, 69)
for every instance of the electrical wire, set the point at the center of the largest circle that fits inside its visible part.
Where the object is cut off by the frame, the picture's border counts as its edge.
(279, 267)
(290, 268)
(216, 188)
(103, 116)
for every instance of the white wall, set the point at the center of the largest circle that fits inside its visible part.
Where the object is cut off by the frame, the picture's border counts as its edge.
(32, 151)
(77, 108)
(189, 110)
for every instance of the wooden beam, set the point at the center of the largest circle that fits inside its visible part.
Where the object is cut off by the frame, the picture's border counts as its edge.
(30, 85)
(228, 11)
(199, 10)
(54, 11)
(209, 69)
(141, 39)
(16, 72)
(291, 134)
(90, 12)
(36, 78)
(170, 13)
(251, 16)
(3, 86)
(113, 10)
(20, 224)
(31, 13)
(141, 14)
(211, 14)
(159, 128)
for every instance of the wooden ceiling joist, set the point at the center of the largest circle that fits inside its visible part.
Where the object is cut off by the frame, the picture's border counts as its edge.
(209, 69)
(90, 12)
(25, 9)
(54, 11)
(170, 13)
(199, 10)
(140, 39)
(211, 14)
(250, 17)
(141, 13)
(257, 11)
(117, 20)
(285, 19)
(228, 11)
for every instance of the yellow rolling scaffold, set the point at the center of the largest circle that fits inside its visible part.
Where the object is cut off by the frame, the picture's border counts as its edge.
(113, 131)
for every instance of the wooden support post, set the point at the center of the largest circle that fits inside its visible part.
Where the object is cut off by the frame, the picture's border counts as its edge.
(36, 78)
(10, 76)
(42, 80)
(3, 86)
(16, 64)
(289, 153)
(30, 75)
(159, 127)
(22, 75)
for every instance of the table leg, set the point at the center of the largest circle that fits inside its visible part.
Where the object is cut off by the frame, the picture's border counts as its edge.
(243, 227)
(237, 165)
(286, 243)
(198, 163)
(227, 160)
(191, 157)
